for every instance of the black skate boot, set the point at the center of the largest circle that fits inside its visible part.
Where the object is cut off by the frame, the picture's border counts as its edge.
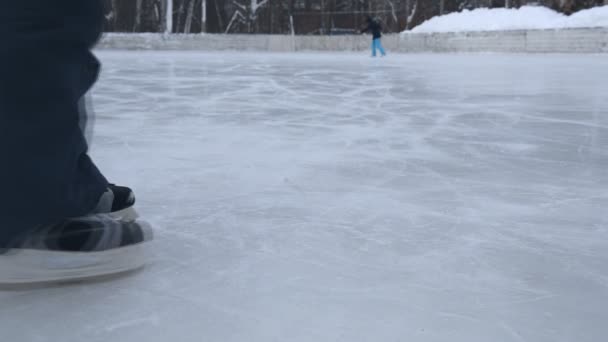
(75, 249)
(108, 241)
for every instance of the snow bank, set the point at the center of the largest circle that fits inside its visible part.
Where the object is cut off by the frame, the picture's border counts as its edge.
(595, 17)
(503, 19)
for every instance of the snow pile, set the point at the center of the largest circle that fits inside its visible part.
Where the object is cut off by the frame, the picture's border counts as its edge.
(595, 17)
(503, 19)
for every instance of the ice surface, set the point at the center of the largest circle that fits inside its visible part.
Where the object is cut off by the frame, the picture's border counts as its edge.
(335, 197)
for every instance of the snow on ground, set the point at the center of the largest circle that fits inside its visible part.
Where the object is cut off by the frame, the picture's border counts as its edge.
(525, 18)
(334, 197)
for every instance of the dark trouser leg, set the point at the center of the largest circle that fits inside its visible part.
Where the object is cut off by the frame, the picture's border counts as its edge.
(46, 67)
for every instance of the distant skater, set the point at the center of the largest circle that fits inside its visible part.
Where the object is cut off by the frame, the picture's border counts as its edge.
(375, 28)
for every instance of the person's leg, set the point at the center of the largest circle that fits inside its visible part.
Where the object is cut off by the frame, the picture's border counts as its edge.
(380, 47)
(46, 67)
(54, 200)
(373, 48)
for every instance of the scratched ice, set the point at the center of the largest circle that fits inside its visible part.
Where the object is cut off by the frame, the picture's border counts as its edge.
(334, 197)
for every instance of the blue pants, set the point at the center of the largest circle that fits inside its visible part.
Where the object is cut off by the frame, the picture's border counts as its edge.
(377, 44)
(46, 67)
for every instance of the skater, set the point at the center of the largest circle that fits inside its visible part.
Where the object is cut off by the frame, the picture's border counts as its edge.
(375, 28)
(60, 219)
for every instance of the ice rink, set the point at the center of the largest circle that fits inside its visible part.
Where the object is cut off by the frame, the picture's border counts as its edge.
(335, 197)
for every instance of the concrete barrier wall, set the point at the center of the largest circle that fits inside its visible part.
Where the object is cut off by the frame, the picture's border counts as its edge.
(589, 40)
(508, 41)
(579, 40)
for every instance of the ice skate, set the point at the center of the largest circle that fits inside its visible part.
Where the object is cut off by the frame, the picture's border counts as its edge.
(75, 249)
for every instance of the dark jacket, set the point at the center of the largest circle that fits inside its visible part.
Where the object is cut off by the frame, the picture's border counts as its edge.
(46, 67)
(374, 27)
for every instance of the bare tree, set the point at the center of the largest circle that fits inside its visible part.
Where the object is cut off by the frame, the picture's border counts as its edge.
(413, 13)
(220, 17)
(180, 15)
(204, 16)
(112, 16)
(393, 11)
(236, 17)
(246, 12)
(168, 16)
(159, 16)
(138, 14)
(189, 16)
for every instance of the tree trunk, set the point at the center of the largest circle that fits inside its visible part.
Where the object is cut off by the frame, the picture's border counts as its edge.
(159, 17)
(189, 15)
(204, 16)
(442, 6)
(292, 29)
(413, 15)
(115, 13)
(138, 13)
(322, 28)
(220, 18)
(330, 15)
(271, 15)
(169, 16)
(180, 16)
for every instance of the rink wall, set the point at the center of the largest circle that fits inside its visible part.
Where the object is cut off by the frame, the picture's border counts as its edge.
(583, 40)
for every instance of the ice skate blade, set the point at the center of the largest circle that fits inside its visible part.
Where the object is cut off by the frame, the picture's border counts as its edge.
(31, 267)
(18, 287)
(126, 215)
